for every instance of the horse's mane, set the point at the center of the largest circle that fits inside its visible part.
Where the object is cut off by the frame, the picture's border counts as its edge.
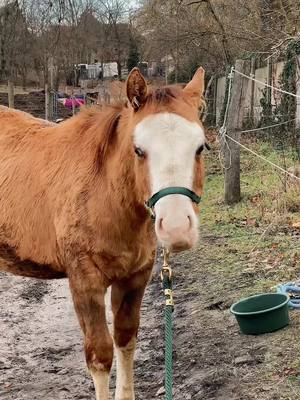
(109, 127)
(166, 94)
(99, 125)
(163, 95)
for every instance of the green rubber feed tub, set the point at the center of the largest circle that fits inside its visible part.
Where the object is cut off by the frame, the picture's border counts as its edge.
(262, 313)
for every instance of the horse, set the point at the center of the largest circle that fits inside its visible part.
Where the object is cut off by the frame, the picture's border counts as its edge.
(75, 200)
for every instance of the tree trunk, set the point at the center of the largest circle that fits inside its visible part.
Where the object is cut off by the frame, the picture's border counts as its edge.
(119, 70)
(11, 94)
(24, 78)
(225, 43)
(46, 102)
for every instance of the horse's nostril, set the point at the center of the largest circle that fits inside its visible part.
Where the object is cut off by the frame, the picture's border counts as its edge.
(160, 224)
(168, 225)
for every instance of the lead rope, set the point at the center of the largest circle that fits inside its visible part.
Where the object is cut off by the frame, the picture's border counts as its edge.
(166, 277)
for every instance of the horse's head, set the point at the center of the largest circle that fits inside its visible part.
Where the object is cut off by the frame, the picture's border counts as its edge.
(168, 139)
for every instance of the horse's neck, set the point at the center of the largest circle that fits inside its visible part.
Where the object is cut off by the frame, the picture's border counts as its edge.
(115, 181)
(120, 170)
(119, 173)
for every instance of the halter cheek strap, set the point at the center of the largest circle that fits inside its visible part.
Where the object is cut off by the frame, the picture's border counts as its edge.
(172, 190)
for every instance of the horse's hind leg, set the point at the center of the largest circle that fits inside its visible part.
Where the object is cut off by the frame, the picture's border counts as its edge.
(127, 296)
(88, 290)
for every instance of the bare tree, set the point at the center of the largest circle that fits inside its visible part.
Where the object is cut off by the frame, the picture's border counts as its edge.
(113, 15)
(215, 32)
(13, 32)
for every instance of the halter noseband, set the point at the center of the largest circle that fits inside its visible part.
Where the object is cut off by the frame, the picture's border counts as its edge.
(172, 190)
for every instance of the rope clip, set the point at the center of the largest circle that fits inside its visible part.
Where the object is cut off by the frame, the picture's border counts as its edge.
(169, 297)
(166, 254)
(166, 270)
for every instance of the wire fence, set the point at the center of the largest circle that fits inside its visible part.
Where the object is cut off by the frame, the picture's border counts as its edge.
(271, 122)
(223, 135)
(264, 158)
(277, 89)
(49, 104)
(57, 106)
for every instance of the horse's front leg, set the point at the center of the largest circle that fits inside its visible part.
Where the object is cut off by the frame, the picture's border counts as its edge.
(88, 290)
(127, 297)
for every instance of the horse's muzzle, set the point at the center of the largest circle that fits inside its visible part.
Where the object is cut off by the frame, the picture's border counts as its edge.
(176, 223)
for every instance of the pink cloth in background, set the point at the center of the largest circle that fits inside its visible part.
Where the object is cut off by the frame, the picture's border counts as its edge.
(70, 103)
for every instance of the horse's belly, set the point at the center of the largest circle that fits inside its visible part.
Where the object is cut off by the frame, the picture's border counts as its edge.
(10, 262)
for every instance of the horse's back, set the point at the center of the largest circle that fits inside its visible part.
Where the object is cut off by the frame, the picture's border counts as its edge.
(14, 121)
(22, 138)
(26, 223)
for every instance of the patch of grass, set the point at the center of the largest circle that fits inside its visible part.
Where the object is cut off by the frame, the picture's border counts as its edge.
(257, 239)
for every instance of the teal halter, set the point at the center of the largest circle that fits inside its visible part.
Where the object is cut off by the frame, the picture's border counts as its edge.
(172, 190)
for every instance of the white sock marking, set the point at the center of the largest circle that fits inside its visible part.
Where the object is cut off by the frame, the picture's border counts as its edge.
(101, 382)
(125, 361)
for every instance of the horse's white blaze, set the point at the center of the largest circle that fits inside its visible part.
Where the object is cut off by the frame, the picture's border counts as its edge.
(125, 359)
(101, 383)
(170, 142)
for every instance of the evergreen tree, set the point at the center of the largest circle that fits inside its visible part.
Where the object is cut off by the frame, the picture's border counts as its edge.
(133, 56)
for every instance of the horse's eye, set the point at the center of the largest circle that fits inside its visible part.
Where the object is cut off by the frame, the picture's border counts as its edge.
(139, 152)
(199, 150)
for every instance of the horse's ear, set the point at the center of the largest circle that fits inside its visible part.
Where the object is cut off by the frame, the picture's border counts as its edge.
(195, 88)
(136, 88)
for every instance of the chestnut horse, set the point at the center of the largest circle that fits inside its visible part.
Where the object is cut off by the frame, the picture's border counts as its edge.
(72, 201)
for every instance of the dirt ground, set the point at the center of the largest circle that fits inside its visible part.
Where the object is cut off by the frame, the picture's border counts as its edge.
(41, 355)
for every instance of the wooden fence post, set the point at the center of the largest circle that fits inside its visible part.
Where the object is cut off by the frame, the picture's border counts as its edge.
(49, 92)
(215, 91)
(46, 102)
(234, 124)
(11, 94)
(252, 93)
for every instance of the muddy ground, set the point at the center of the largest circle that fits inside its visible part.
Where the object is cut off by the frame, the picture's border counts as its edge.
(41, 355)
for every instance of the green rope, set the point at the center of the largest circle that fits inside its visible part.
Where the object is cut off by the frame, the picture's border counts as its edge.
(167, 286)
(169, 353)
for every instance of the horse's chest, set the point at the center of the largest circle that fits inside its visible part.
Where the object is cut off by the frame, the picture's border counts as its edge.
(124, 264)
